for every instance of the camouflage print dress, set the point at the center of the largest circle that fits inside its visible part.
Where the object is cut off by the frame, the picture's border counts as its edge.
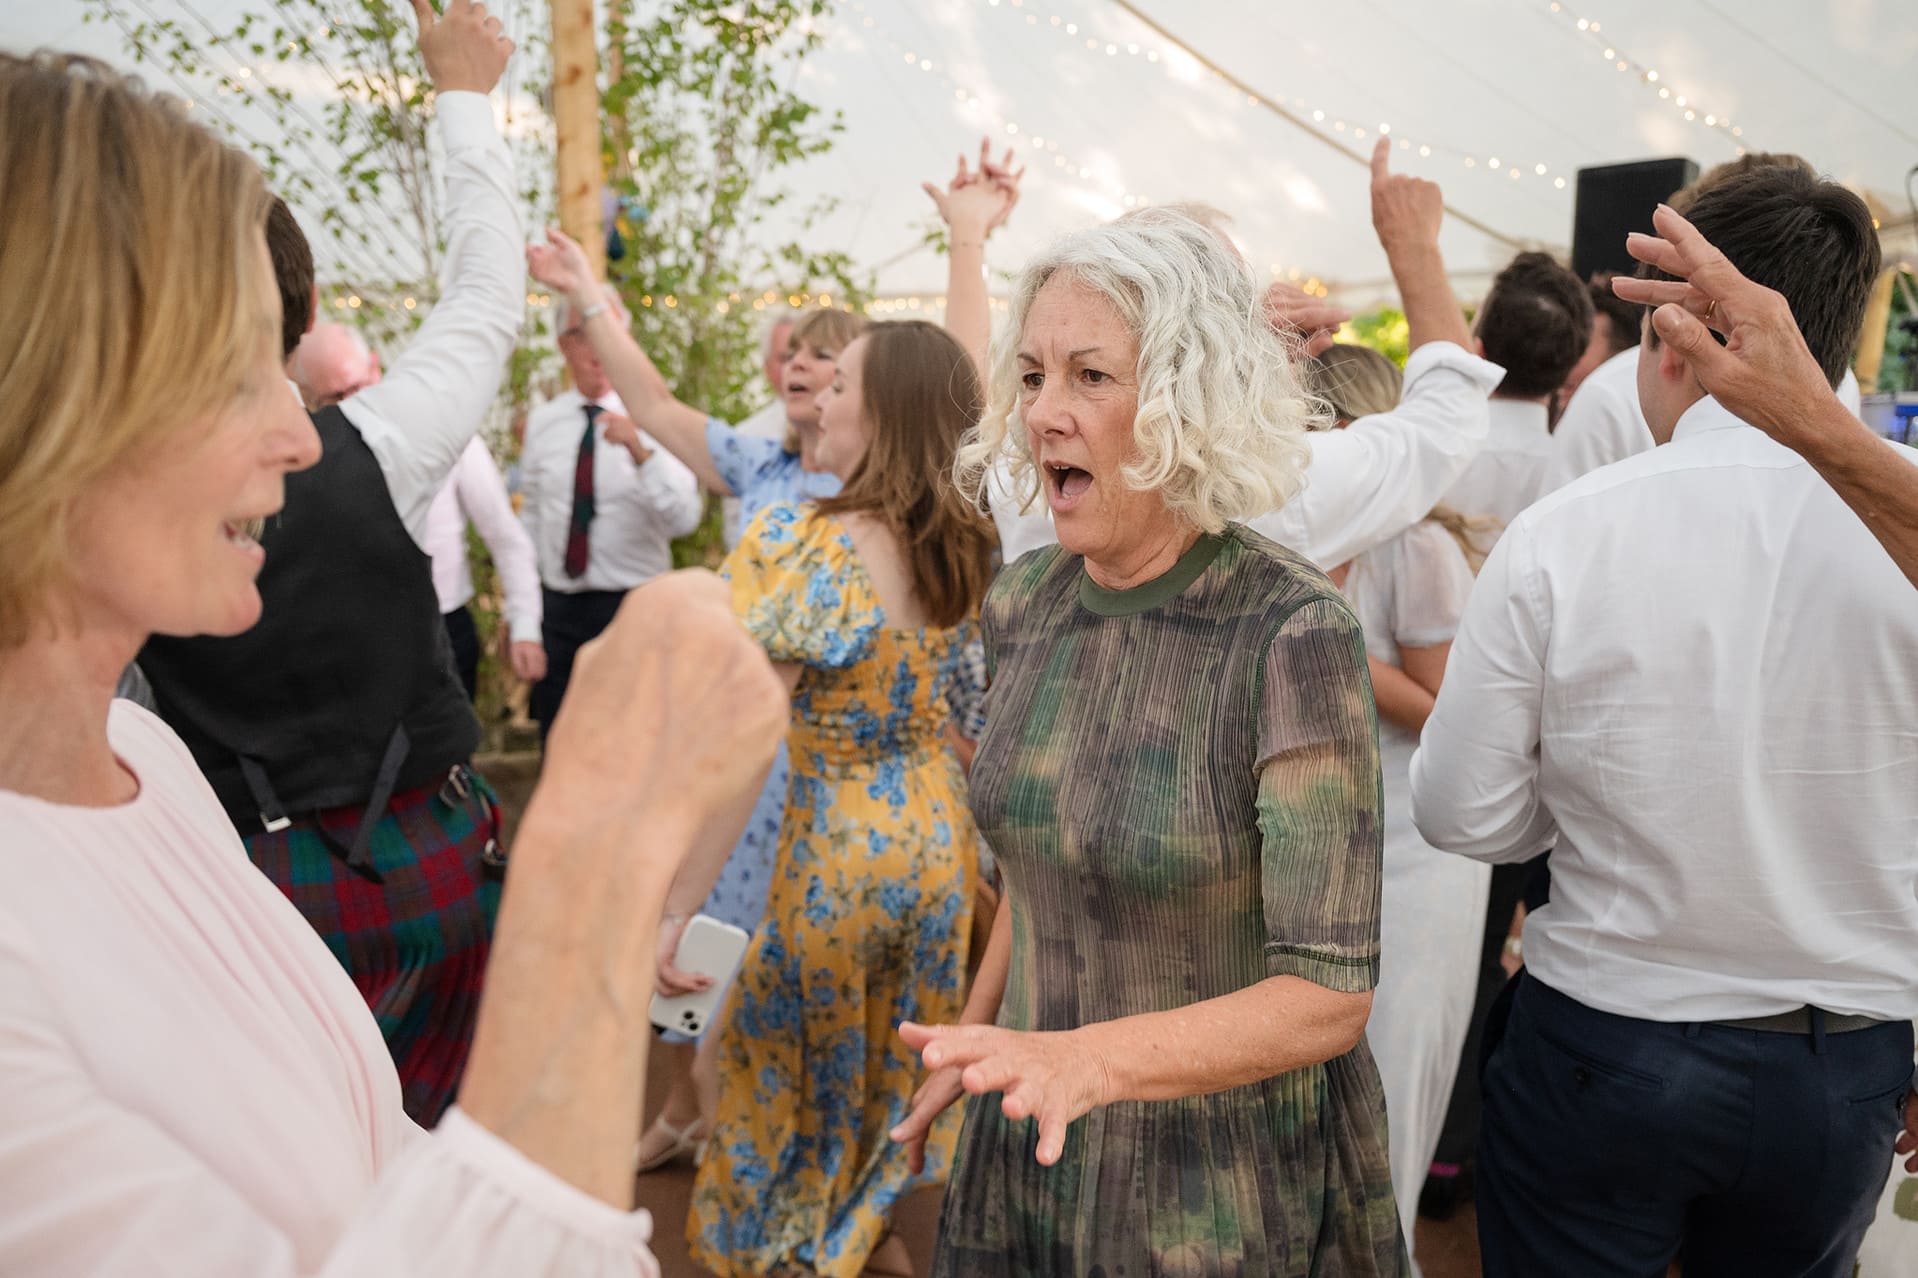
(1182, 783)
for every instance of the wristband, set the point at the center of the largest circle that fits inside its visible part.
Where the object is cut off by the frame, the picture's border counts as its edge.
(588, 312)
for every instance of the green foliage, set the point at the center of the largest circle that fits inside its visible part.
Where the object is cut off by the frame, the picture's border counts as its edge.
(1901, 346)
(700, 126)
(1384, 330)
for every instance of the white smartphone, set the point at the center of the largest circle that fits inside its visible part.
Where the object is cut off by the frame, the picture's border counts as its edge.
(710, 948)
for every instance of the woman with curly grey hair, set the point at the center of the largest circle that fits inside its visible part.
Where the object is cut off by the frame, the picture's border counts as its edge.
(1180, 776)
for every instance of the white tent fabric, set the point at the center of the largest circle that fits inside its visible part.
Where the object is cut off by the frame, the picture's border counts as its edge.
(1477, 81)
(1107, 109)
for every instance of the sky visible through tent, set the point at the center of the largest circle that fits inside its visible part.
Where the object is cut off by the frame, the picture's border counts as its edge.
(1266, 110)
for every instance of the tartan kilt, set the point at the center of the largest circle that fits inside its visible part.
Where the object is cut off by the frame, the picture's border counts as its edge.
(416, 943)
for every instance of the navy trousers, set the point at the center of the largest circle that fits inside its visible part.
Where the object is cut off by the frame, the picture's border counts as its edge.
(1611, 1146)
(571, 622)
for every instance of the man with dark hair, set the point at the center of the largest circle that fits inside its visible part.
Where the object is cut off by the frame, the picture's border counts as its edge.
(1615, 324)
(335, 732)
(1691, 671)
(1536, 321)
(1601, 422)
(293, 270)
(1765, 373)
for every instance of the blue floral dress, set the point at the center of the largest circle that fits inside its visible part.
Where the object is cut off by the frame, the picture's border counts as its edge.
(866, 926)
(760, 473)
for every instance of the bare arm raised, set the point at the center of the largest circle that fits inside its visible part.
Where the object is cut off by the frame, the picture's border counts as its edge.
(561, 265)
(973, 206)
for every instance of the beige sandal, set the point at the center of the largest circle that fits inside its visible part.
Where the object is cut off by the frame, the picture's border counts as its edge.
(690, 1139)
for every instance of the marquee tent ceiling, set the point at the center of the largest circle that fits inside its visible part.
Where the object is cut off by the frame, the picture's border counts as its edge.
(1265, 109)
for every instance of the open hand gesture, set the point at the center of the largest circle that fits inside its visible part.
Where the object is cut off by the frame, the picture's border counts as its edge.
(1290, 309)
(1052, 1077)
(464, 49)
(560, 264)
(1764, 373)
(975, 204)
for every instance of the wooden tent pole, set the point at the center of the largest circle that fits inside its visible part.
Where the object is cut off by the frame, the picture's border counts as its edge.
(576, 127)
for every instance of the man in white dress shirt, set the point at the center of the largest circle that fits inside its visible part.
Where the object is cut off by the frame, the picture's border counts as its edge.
(602, 504)
(1536, 322)
(1385, 472)
(1693, 670)
(1602, 423)
(476, 494)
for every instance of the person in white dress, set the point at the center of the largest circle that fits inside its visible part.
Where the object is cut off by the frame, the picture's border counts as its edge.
(189, 1081)
(1409, 593)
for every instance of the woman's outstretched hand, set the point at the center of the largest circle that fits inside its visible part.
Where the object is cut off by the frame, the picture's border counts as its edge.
(976, 203)
(560, 264)
(1055, 1078)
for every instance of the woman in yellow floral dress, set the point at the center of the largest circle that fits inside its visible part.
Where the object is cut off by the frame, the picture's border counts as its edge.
(864, 602)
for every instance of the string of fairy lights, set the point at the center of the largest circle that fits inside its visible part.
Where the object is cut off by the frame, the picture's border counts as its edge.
(1593, 33)
(1042, 146)
(1179, 62)
(1168, 57)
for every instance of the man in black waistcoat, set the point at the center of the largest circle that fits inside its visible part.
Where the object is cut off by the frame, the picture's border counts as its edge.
(336, 732)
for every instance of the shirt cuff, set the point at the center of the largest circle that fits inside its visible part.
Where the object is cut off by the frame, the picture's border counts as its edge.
(465, 117)
(1482, 373)
(524, 629)
(534, 1186)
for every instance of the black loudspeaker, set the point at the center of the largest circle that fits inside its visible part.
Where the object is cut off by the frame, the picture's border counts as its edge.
(1615, 199)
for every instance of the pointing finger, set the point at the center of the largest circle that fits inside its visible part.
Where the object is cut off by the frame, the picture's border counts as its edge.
(1381, 164)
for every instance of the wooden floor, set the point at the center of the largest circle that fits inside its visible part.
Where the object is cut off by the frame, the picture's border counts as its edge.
(1447, 1250)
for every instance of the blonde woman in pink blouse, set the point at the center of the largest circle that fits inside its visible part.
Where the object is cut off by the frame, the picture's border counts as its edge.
(189, 1083)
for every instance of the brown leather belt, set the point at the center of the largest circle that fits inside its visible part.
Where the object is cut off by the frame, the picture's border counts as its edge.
(1799, 1021)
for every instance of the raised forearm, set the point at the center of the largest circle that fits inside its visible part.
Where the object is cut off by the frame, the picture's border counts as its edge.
(1432, 310)
(1880, 486)
(559, 1055)
(1281, 1024)
(678, 428)
(968, 303)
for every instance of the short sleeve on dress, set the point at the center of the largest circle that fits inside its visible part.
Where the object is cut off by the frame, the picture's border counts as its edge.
(799, 588)
(967, 692)
(1319, 801)
(737, 456)
(1430, 583)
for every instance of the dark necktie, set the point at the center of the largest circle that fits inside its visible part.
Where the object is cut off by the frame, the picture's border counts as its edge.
(582, 497)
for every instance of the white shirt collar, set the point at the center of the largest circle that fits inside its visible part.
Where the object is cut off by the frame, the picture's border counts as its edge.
(1706, 415)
